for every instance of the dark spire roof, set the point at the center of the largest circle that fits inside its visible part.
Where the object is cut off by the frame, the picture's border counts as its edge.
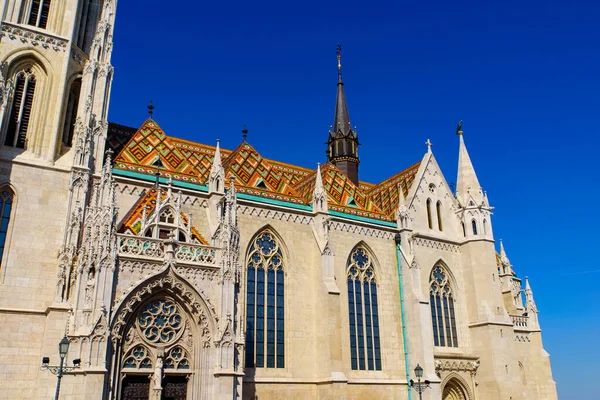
(341, 119)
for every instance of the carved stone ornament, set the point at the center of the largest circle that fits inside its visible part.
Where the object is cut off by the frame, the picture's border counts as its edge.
(168, 281)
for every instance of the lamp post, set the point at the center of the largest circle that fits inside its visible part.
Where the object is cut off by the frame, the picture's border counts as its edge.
(59, 371)
(419, 387)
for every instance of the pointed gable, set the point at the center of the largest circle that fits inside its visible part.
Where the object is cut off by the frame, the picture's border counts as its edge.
(386, 194)
(133, 222)
(251, 170)
(149, 143)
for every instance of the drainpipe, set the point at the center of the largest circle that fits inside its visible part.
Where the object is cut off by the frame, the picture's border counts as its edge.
(398, 240)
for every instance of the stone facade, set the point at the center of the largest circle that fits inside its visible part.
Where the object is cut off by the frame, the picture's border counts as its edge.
(157, 281)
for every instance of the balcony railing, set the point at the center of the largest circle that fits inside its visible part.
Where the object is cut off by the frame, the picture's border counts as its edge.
(186, 253)
(519, 321)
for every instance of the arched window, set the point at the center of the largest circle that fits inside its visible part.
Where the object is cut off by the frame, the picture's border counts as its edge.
(71, 113)
(462, 224)
(441, 301)
(429, 222)
(438, 209)
(6, 202)
(485, 227)
(265, 334)
(365, 349)
(474, 226)
(37, 13)
(20, 109)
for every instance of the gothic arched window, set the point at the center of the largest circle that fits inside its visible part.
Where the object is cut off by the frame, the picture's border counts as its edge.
(429, 221)
(474, 226)
(20, 109)
(365, 349)
(265, 333)
(485, 227)
(37, 14)
(438, 209)
(462, 224)
(6, 203)
(71, 113)
(443, 316)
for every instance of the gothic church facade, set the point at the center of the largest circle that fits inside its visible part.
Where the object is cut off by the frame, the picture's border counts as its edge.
(182, 270)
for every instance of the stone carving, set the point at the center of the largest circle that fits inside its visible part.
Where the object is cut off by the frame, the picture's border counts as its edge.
(437, 245)
(34, 37)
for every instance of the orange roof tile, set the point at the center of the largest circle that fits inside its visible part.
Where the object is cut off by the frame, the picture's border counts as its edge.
(386, 193)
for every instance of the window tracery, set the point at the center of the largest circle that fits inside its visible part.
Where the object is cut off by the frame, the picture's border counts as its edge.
(138, 358)
(20, 108)
(365, 347)
(441, 301)
(160, 322)
(177, 358)
(265, 324)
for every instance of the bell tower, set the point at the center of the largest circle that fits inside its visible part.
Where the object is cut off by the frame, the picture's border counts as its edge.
(342, 144)
(55, 76)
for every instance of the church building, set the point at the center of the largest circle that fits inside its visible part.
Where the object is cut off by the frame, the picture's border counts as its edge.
(183, 270)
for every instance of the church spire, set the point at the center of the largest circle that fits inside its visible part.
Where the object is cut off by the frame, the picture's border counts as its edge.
(467, 183)
(342, 145)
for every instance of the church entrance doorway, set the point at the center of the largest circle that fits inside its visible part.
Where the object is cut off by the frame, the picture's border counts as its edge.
(174, 387)
(135, 387)
(454, 390)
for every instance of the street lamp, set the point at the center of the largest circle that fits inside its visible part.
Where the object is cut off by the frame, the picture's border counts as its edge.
(63, 349)
(419, 387)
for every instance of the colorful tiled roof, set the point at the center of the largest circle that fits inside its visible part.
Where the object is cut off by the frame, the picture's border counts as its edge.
(342, 194)
(255, 175)
(133, 220)
(386, 194)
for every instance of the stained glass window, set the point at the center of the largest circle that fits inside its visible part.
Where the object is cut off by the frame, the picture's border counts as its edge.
(6, 202)
(160, 322)
(441, 301)
(265, 318)
(365, 345)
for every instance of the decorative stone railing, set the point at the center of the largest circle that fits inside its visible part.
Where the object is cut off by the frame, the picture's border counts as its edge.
(195, 254)
(134, 246)
(34, 36)
(184, 253)
(519, 321)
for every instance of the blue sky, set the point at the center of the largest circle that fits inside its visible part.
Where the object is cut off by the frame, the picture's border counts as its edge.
(522, 75)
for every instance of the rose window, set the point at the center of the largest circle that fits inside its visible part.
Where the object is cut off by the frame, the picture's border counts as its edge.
(160, 322)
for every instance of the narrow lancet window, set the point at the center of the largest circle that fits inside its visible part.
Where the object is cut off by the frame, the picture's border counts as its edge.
(474, 225)
(429, 221)
(71, 114)
(365, 345)
(265, 333)
(20, 110)
(443, 315)
(438, 209)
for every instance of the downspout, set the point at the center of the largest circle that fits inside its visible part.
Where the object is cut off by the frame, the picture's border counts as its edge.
(398, 239)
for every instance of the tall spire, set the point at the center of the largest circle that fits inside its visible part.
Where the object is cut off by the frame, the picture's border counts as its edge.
(341, 119)
(342, 144)
(467, 183)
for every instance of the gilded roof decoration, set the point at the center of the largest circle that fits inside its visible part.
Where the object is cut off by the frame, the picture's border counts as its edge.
(386, 194)
(134, 219)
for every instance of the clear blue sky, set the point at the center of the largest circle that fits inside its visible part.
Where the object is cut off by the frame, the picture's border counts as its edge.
(524, 76)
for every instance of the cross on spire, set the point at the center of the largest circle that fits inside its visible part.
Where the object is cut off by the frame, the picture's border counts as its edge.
(429, 144)
(150, 110)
